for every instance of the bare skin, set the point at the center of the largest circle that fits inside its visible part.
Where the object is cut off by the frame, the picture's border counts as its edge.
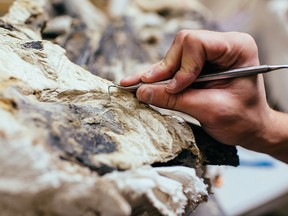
(234, 111)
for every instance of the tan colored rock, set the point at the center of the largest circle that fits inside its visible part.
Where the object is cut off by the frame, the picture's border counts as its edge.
(60, 129)
(70, 148)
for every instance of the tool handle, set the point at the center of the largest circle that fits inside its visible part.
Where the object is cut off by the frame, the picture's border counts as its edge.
(233, 73)
(240, 72)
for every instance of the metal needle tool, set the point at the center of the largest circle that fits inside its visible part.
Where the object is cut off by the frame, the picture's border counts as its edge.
(233, 73)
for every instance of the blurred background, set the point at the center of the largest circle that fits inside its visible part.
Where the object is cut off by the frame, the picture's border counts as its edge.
(259, 186)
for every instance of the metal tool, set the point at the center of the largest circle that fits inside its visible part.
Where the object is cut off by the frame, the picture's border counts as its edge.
(233, 73)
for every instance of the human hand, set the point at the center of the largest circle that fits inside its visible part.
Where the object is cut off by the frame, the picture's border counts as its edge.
(232, 111)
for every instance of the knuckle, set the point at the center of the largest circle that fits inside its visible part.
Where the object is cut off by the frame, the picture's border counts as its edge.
(180, 36)
(169, 66)
(171, 102)
(191, 38)
(182, 33)
(248, 37)
(244, 38)
(188, 38)
(248, 45)
(164, 62)
(191, 70)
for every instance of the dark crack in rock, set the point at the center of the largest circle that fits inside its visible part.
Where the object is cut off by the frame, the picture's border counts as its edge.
(73, 130)
(34, 45)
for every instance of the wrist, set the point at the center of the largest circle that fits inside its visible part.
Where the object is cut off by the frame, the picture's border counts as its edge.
(274, 136)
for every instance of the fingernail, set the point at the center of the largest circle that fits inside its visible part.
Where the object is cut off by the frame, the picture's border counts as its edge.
(148, 74)
(171, 84)
(146, 96)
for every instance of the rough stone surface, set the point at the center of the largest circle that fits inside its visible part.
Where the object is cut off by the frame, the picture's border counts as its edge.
(70, 148)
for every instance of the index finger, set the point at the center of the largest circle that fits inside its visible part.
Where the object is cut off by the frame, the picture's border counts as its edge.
(137, 77)
(193, 59)
(166, 68)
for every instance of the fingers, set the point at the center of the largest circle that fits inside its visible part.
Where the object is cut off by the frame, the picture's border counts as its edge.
(166, 68)
(191, 101)
(191, 50)
(185, 58)
(208, 106)
(131, 80)
(140, 76)
(158, 96)
(193, 59)
(226, 50)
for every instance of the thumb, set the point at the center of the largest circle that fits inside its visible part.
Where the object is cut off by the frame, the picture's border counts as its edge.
(194, 102)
